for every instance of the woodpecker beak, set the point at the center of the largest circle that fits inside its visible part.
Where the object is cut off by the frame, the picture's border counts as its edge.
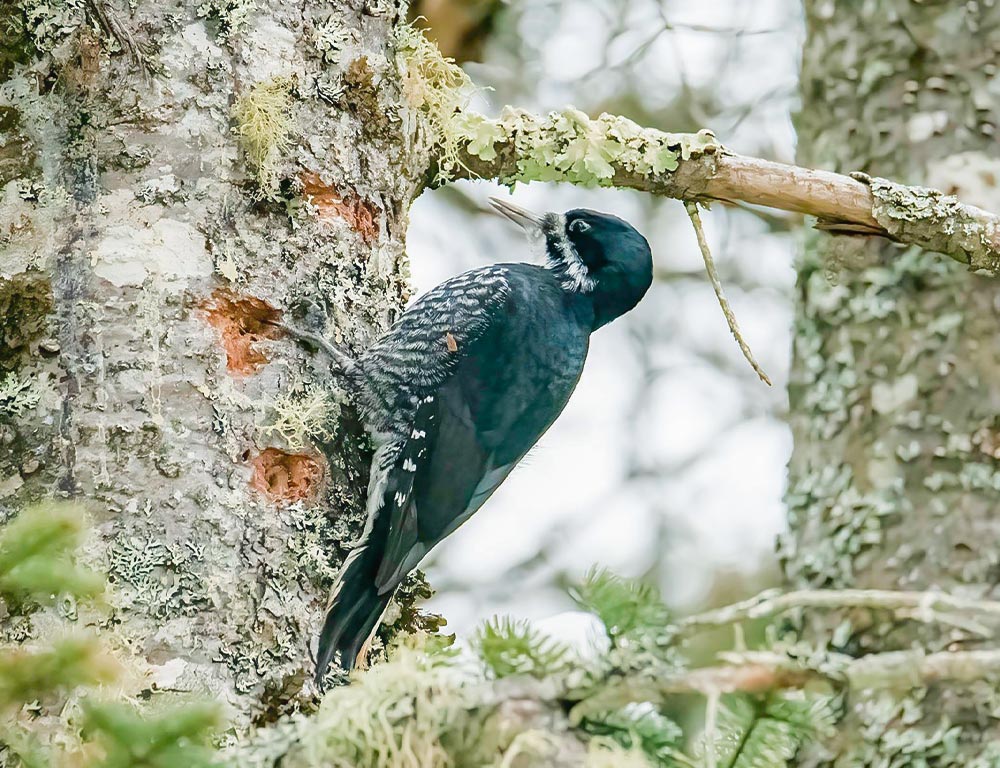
(521, 216)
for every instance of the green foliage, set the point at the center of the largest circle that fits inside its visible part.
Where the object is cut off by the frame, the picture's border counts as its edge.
(264, 121)
(179, 738)
(426, 706)
(509, 647)
(608, 753)
(38, 551)
(68, 663)
(643, 728)
(629, 609)
(768, 732)
(37, 555)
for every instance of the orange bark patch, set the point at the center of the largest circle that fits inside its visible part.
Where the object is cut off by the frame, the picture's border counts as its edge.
(285, 476)
(242, 320)
(360, 214)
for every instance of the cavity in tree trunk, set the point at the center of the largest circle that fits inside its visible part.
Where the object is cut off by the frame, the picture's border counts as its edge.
(894, 388)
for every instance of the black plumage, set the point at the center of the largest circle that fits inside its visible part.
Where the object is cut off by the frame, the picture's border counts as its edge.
(462, 386)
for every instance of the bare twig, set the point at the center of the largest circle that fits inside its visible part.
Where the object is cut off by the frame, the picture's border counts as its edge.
(713, 276)
(711, 725)
(763, 671)
(930, 607)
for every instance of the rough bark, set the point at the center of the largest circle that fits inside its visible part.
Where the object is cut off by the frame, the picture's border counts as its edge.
(894, 479)
(145, 238)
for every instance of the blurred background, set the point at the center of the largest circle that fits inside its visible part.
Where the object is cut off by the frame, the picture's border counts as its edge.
(669, 461)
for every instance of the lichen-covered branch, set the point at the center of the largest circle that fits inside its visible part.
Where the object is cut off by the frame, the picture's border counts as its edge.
(613, 151)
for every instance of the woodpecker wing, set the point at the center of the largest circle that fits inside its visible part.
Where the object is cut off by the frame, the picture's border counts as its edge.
(448, 473)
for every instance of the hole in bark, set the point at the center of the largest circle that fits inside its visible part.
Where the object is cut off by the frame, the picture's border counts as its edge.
(241, 322)
(361, 215)
(286, 476)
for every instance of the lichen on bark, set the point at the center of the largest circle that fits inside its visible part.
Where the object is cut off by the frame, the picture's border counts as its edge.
(893, 474)
(221, 537)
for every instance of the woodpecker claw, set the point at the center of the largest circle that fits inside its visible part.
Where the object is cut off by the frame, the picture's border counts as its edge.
(521, 216)
(345, 364)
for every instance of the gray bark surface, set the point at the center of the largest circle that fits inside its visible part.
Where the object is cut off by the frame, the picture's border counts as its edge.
(140, 251)
(895, 387)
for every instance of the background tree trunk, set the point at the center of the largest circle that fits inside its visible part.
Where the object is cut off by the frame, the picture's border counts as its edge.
(142, 251)
(895, 386)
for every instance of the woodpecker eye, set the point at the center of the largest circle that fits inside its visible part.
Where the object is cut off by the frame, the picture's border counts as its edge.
(578, 226)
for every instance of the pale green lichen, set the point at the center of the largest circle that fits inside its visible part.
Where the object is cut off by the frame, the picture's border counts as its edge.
(570, 146)
(334, 35)
(52, 22)
(436, 89)
(830, 500)
(18, 395)
(298, 417)
(264, 121)
(559, 146)
(411, 711)
(231, 15)
(157, 575)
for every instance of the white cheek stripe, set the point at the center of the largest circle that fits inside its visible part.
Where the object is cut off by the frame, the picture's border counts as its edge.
(575, 273)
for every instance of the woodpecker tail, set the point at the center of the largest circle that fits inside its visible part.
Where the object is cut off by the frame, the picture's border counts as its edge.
(354, 612)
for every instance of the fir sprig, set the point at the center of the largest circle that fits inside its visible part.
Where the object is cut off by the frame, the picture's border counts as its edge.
(509, 647)
(38, 555)
(626, 607)
(179, 738)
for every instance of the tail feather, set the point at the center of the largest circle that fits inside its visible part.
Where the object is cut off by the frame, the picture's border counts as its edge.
(354, 613)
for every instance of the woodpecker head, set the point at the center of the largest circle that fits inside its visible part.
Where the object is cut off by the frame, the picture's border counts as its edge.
(592, 253)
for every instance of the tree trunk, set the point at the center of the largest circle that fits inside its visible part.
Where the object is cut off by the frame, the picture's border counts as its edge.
(174, 177)
(894, 479)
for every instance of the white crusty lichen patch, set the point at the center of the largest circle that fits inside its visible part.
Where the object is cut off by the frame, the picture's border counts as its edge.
(168, 250)
(937, 221)
(561, 146)
(51, 22)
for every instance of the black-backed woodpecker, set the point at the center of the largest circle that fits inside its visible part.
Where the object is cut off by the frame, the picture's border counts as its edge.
(462, 386)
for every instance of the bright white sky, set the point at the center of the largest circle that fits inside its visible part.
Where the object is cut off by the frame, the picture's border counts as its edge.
(716, 507)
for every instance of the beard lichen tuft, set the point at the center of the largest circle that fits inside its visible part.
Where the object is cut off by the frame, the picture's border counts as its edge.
(437, 90)
(264, 121)
(407, 712)
(299, 417)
